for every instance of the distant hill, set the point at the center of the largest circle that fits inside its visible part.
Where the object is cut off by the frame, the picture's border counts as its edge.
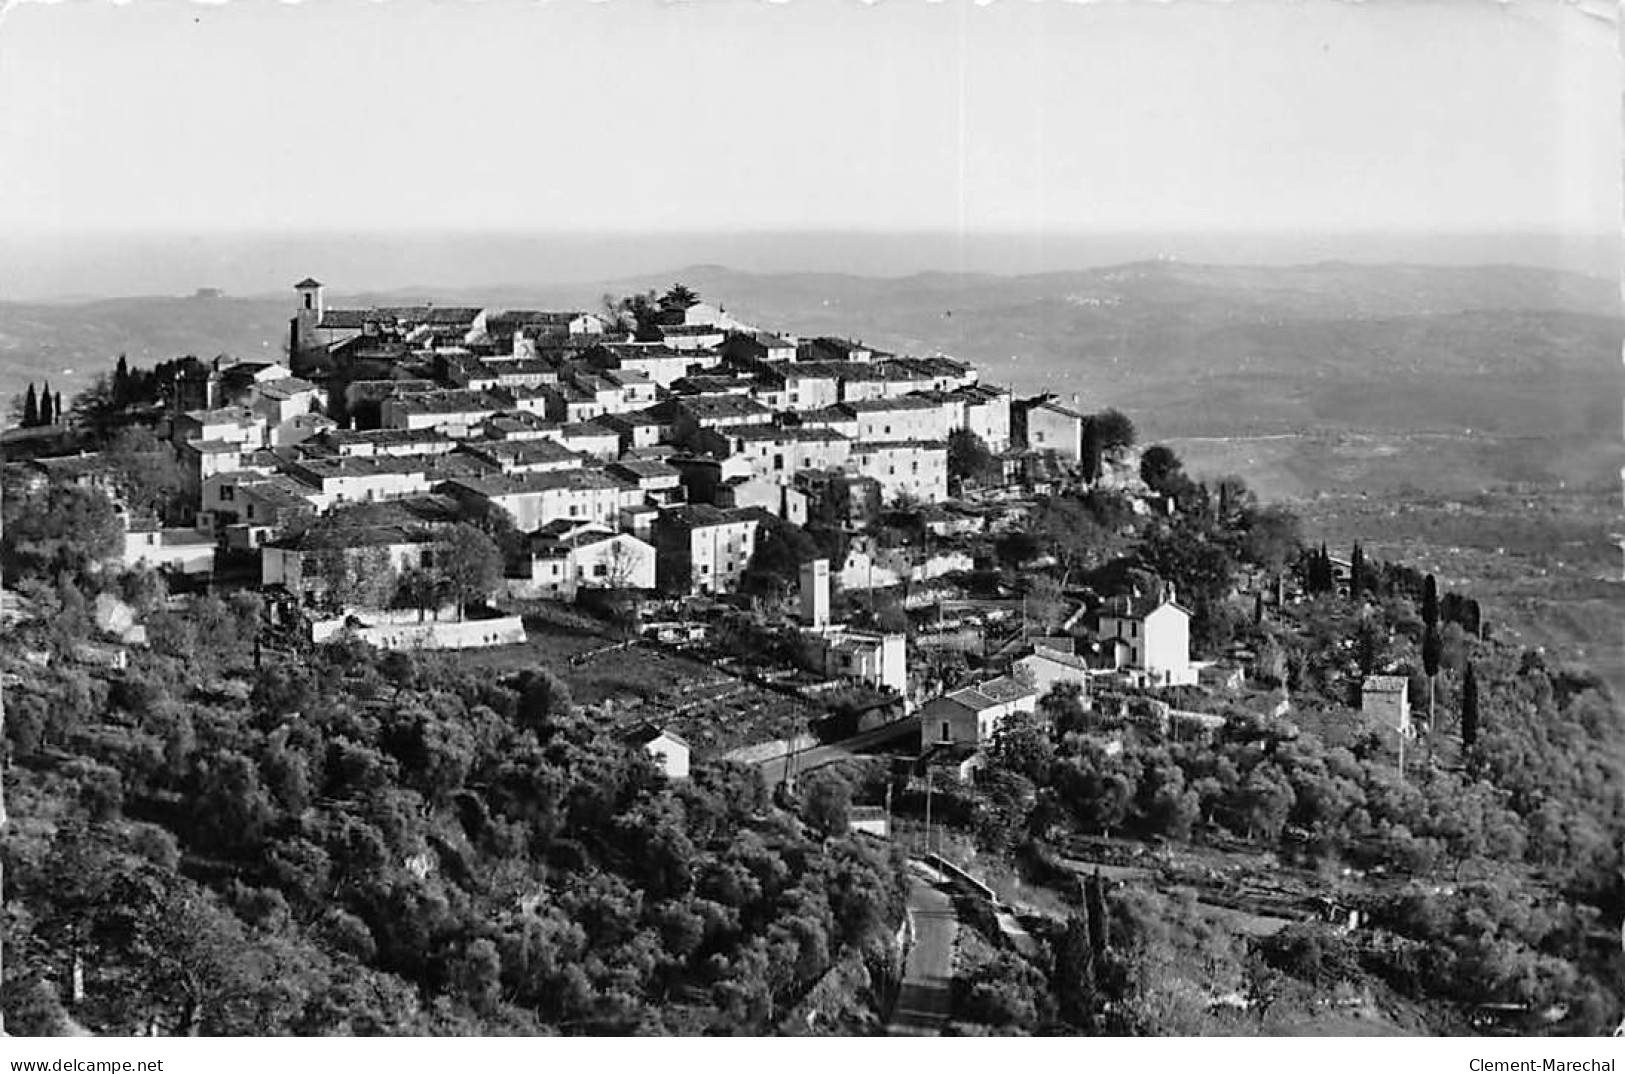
(1189, 350)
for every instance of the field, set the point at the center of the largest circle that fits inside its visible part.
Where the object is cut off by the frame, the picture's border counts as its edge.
(712, 710)
(1545, 563)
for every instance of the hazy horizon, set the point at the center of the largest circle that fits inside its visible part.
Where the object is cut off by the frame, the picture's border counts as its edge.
(90, 267)
(510, 143)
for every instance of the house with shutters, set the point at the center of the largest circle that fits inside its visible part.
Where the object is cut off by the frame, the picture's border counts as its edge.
(1149, 638)
(703, 549)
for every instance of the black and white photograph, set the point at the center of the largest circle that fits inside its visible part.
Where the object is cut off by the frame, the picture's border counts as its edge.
(824, 519)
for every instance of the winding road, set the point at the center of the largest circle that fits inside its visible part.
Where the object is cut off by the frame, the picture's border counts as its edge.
(924, 1001)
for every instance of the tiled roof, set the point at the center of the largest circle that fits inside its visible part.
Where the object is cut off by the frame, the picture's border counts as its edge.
(870, 447)
(641, 469)
(239, 415)
(785, 433)
(1135, 607)
(518, 484)
(645, 733)
(279, 490)
(346, 319)
(523, 452)
(449, 401)
(354, 537)
(699, 515)
(215, 447)
(385, 437)
(722, 406)
(284, 387)
(1004, 688)
(587, 428)
(533, 318)
(886, 406)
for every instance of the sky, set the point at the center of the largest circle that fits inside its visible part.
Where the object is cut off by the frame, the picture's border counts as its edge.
(709, 116)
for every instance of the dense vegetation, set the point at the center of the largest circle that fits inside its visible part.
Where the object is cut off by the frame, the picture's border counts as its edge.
(1488, 871)
(341, 841)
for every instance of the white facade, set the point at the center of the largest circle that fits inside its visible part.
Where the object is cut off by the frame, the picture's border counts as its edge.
(900, 419)
(880, 660)
(815, 593)
(1156, 642)
(916, 468)
(1386, 698)
(596, 558)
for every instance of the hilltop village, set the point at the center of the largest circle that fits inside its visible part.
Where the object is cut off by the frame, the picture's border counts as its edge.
(647, 670)
(411, 476)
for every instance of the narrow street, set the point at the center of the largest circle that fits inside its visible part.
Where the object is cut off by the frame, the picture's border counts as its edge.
(924, 1001)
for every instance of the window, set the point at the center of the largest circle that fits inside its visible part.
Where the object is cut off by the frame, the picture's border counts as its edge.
(947, 731)
(1039, 436)
(251, 511)
(1134, 630)
(888, 430)
(228, 493)
(599, 570)
(778, 461)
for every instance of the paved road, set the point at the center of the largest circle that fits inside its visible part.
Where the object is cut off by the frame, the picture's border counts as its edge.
(773, 771)
(923, 1003)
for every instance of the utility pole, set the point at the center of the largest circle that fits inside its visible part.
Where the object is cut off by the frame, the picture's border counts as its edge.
(928, 807)
(1402, 730)
(889, 777)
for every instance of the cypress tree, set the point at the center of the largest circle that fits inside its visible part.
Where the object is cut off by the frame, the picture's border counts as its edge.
(57, 415)
(121, 381)
(1075, 972)
(1469, 709)
(46, 416)
(1432, 647)
(1356, 572)
(1430, 601)
(30, 408)
(1094, 901)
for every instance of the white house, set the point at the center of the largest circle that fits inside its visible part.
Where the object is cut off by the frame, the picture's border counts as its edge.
(1153, 638)
(879, 660)
(972, 715)
(917, 468)
(1043, 669)
(1386, 698)
(185, 551)
(538, 498)
(567, 558)
(668, 750)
